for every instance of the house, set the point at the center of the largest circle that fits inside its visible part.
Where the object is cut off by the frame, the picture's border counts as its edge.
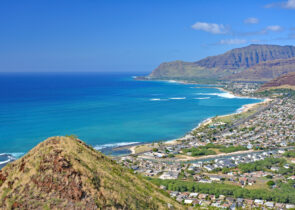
(286, 166)
(248, 202)
(208, 167)
(258, 202)
(212, 197)
(215, 178)
(281, 151)
(169, 175)
(193, 195)
(240, 202)
(203, 196)
(205, 181)
(280, 206)
(233, 206)
(159, 155)
(290, 206)
(221, 197)
(174, 194)
(205, 203)
(188, 201)
(230, 200)
(269, 204)
(274, 168)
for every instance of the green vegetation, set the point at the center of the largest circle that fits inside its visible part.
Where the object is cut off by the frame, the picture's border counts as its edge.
(290, 154)
(261, 165)
(279, 93)
(199, 151)
(155, 149)
(284, 194)
(207, 150)
(232, 149)
(270, 183)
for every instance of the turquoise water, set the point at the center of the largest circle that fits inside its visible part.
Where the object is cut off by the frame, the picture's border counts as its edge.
(102, 109)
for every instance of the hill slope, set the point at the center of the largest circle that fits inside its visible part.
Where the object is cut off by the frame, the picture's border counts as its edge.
(224, 65)
(65, 173)
(284, 81)
(266, 71)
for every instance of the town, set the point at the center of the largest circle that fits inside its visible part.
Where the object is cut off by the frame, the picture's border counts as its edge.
(244, 153)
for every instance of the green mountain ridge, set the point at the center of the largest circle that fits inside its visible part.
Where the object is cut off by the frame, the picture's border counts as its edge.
(232, 65)
(65, 173)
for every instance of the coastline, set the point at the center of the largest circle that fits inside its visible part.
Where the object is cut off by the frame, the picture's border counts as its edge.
(243, 109)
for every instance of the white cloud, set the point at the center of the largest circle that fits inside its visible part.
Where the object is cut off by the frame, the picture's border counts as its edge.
(274, 28)
(290, 4)
(210, 27)
(251, 20)
(232, 41)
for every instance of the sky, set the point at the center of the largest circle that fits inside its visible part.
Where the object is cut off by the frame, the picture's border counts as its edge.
(133, 35)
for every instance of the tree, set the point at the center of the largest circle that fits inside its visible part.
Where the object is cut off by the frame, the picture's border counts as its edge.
(270, 183)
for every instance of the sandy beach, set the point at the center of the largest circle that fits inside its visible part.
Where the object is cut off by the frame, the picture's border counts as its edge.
(244, 108)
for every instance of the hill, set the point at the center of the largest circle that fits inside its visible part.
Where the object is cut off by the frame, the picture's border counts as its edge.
(65, 173)
(284, 81)
(266, 71)
(225, 65)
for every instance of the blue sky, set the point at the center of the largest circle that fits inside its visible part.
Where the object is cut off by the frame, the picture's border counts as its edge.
(133, 35)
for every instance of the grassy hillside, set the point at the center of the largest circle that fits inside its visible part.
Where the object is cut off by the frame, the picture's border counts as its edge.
(65, 173)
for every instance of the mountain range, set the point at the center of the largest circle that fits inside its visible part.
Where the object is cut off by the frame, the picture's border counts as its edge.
(251, 63)
(65, 173)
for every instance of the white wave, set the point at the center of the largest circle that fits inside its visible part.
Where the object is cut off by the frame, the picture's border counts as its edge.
(6, 161)
(172, 81)
(17, 154)
(158, 99)
(178, 98)
(10, 157)
(202, 98)
(222, 95)
(13, 154)
(241, 109)
(99, 147)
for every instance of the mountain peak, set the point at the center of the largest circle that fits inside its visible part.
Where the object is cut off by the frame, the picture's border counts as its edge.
(65, 173)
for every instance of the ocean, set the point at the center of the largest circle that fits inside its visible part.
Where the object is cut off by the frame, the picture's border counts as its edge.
(103, 109)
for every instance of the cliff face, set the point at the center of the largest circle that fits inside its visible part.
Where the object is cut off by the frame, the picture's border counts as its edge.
(266, 71)
(284, 81)
(247, 56)
(65, 173)
(229, 65)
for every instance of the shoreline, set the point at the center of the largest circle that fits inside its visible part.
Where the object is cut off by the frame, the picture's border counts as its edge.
(244, 108)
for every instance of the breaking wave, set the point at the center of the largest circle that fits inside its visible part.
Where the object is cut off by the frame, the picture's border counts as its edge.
(103, 146)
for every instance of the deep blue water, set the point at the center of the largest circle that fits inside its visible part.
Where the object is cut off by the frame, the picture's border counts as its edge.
(102, 108)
